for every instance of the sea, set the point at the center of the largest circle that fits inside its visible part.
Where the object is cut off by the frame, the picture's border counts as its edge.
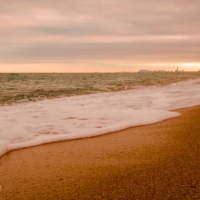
(39, 108)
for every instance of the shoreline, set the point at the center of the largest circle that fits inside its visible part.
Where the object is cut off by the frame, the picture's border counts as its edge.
(157, 161)
(44, 122)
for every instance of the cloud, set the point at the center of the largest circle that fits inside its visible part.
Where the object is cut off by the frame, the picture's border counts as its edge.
(46, 31)
(155, 50)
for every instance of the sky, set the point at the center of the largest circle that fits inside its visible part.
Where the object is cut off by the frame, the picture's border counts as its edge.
(99, 35)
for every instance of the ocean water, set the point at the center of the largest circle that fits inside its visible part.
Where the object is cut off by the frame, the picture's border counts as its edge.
(42, 108)
(17, 88)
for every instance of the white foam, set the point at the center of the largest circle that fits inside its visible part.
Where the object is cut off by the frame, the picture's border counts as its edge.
(31, 124)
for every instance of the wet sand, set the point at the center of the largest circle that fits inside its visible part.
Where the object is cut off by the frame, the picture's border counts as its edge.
(159, 161)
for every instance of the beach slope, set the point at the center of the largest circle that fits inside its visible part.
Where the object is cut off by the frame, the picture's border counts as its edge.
(159, 161)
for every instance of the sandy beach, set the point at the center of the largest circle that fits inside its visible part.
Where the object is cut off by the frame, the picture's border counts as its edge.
(158, 161)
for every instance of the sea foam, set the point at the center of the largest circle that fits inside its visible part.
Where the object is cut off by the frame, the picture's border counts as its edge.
(36, 123)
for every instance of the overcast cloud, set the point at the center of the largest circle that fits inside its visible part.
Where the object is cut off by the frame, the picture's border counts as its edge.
(140, 31)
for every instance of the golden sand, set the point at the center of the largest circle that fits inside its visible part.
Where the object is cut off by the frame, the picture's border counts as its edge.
(159, 161)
